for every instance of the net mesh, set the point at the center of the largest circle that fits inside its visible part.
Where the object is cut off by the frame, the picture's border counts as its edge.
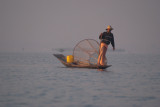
(86, 52)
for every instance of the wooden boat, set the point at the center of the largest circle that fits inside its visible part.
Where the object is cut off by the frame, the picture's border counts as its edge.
(62, 59)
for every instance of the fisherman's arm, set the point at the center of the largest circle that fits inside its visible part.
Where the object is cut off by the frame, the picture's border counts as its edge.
(100, 36)
(112, 42)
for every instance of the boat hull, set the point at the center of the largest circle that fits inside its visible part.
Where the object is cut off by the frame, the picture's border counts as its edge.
(62, 59)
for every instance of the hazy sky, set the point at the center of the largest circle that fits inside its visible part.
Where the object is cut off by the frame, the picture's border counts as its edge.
(40, 25)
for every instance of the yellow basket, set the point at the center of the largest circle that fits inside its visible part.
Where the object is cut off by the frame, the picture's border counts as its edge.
(70, 59)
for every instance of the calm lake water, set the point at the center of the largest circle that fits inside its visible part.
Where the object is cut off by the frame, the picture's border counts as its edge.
(40, 80)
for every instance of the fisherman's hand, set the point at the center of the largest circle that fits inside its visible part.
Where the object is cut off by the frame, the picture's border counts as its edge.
(114, 49)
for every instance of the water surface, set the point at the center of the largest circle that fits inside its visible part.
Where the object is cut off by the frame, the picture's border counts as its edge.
(40, 80)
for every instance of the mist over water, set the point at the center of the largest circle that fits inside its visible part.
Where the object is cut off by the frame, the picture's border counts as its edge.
(39, 26)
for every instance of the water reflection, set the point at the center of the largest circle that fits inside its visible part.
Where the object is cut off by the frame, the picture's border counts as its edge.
(104, 70)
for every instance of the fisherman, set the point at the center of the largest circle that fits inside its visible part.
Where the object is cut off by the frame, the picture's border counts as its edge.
(106, 38)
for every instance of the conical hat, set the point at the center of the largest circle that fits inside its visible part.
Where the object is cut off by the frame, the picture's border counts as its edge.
(109, 27)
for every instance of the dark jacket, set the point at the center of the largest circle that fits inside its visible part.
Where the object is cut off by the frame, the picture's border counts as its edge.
(107, 38)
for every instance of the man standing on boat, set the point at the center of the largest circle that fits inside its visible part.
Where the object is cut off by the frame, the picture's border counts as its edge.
(106, 38)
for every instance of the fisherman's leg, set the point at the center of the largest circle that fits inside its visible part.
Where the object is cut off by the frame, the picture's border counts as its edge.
(102, 62)
(100, 54)
(103, 56)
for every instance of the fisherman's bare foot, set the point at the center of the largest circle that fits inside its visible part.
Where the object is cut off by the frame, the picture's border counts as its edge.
(103, 65)
(98, 64)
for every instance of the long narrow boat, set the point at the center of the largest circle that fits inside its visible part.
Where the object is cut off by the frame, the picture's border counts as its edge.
(62, 59)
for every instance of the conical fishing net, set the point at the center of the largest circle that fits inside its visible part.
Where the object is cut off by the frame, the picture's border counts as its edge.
(86, 52)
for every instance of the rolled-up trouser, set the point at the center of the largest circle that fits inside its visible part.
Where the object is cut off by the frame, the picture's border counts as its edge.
(102, 53)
